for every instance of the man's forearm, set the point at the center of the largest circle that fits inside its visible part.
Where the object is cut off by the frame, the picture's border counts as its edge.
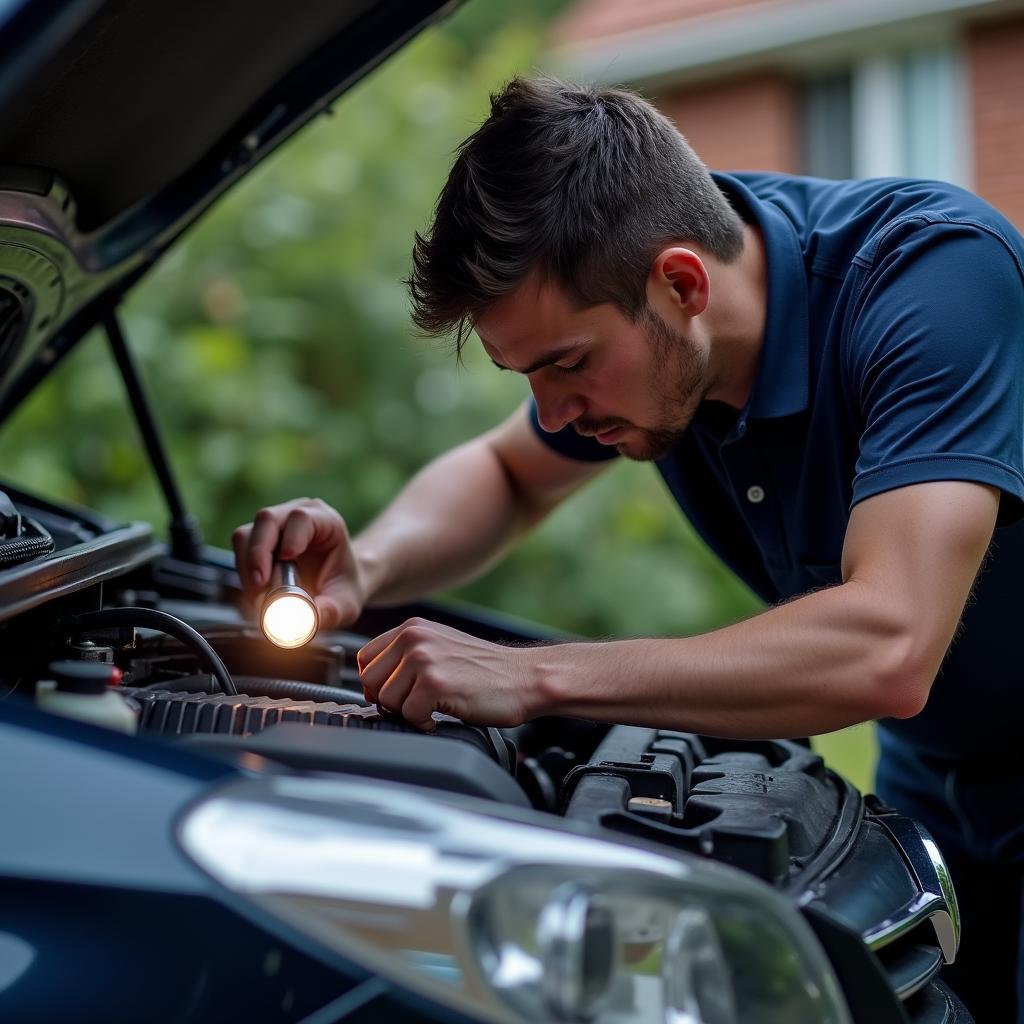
(825, 661)
(448, 524)
(867, 648)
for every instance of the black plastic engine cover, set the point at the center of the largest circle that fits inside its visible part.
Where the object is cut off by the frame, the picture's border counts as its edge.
(765, 807)
(417, 760)
(169, 713)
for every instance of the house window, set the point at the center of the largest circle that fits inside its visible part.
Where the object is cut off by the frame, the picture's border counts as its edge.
(900, 114)
(826, 126)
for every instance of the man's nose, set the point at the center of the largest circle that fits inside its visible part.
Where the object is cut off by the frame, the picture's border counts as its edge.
(556, 410)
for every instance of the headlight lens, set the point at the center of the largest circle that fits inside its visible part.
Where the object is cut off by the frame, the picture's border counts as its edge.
(503, 918)
(576, 949)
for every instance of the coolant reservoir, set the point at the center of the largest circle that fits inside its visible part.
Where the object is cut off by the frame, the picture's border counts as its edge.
(81, 689)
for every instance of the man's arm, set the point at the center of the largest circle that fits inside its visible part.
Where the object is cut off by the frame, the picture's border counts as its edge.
(867, 648)
(460, 513)
(451, 521)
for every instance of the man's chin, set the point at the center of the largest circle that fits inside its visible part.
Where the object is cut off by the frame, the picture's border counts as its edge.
(646, 446)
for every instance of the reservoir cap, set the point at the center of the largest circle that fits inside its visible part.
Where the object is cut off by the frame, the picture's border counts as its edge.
(84, 676)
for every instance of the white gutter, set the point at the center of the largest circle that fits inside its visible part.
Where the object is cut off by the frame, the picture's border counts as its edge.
(699, 43)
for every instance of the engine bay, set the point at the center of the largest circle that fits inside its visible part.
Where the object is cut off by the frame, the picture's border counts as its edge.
(764, 806)
(173, 632)
(111, 595)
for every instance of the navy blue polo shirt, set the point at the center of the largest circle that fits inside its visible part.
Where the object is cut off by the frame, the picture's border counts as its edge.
(893, 354)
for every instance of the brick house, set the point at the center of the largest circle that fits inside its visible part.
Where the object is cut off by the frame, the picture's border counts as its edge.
(837, 88)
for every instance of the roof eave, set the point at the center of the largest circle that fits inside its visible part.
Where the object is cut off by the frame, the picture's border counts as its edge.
(705, 47)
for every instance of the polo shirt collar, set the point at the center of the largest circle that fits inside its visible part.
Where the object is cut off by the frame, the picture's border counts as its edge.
(781, 386)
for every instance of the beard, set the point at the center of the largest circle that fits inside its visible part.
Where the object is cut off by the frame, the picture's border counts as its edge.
(678, 384)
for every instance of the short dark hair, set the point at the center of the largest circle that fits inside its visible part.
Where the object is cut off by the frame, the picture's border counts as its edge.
(581, 185)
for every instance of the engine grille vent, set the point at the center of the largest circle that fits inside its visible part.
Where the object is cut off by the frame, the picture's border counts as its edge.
(179, 714)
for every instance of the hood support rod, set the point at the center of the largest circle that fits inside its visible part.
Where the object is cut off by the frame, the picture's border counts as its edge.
(186, 537)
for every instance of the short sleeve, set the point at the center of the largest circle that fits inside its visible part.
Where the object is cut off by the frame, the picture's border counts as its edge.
(935, 361)
(570, 444)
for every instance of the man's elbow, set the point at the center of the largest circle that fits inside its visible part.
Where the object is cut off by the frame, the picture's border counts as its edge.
(903, 677)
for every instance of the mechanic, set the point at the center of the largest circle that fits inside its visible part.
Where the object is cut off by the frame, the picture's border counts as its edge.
(830, 378)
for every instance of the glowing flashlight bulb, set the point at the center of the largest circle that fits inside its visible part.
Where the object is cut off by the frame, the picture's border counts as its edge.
(289, 617)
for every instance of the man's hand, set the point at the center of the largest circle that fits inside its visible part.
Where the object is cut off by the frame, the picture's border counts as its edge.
(429, 537)
(315, 536)
(421, 667)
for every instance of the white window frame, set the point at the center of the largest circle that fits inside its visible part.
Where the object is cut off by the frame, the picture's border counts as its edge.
(909, 114)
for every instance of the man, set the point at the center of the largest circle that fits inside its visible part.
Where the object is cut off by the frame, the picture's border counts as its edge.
(830, 378)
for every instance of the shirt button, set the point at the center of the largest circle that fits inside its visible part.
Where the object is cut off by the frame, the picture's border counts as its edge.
(755, 494)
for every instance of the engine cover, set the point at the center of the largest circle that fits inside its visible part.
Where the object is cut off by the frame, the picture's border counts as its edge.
(170, 713)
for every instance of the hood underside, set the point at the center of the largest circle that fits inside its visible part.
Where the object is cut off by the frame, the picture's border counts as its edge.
(120, 122)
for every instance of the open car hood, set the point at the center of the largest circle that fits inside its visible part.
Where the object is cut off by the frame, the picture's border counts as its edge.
(122, 120)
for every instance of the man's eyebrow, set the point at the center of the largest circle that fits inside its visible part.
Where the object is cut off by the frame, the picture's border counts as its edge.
(547, 360)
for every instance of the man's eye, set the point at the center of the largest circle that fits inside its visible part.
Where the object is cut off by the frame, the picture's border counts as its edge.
(573, 367)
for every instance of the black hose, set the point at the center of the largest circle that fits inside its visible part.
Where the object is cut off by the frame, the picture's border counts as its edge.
(150, 618)
(19, 549)
(257, 686)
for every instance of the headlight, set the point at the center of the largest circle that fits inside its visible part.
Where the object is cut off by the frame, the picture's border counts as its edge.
(505, 917)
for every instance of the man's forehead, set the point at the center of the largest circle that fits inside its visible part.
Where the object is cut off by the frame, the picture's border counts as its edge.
(535, 315)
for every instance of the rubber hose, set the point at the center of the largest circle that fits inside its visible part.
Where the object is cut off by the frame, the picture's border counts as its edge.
(150, 618)
(257, 686)
(15, 550)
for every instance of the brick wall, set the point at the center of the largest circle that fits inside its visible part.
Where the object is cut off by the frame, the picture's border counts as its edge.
(995, 59)
(746, 124)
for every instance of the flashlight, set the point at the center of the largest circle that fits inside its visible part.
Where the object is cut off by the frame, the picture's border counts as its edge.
(288, 617)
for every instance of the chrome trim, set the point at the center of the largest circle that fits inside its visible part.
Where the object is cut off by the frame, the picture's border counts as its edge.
(935, 903)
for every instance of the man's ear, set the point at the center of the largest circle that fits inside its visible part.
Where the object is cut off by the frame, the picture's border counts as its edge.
(679, 277)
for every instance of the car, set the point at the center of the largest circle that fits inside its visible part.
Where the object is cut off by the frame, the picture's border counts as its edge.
(199, 825)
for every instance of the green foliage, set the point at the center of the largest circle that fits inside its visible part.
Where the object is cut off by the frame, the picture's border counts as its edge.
(852, 752)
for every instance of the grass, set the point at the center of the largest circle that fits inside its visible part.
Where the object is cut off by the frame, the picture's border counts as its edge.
(851, 752)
